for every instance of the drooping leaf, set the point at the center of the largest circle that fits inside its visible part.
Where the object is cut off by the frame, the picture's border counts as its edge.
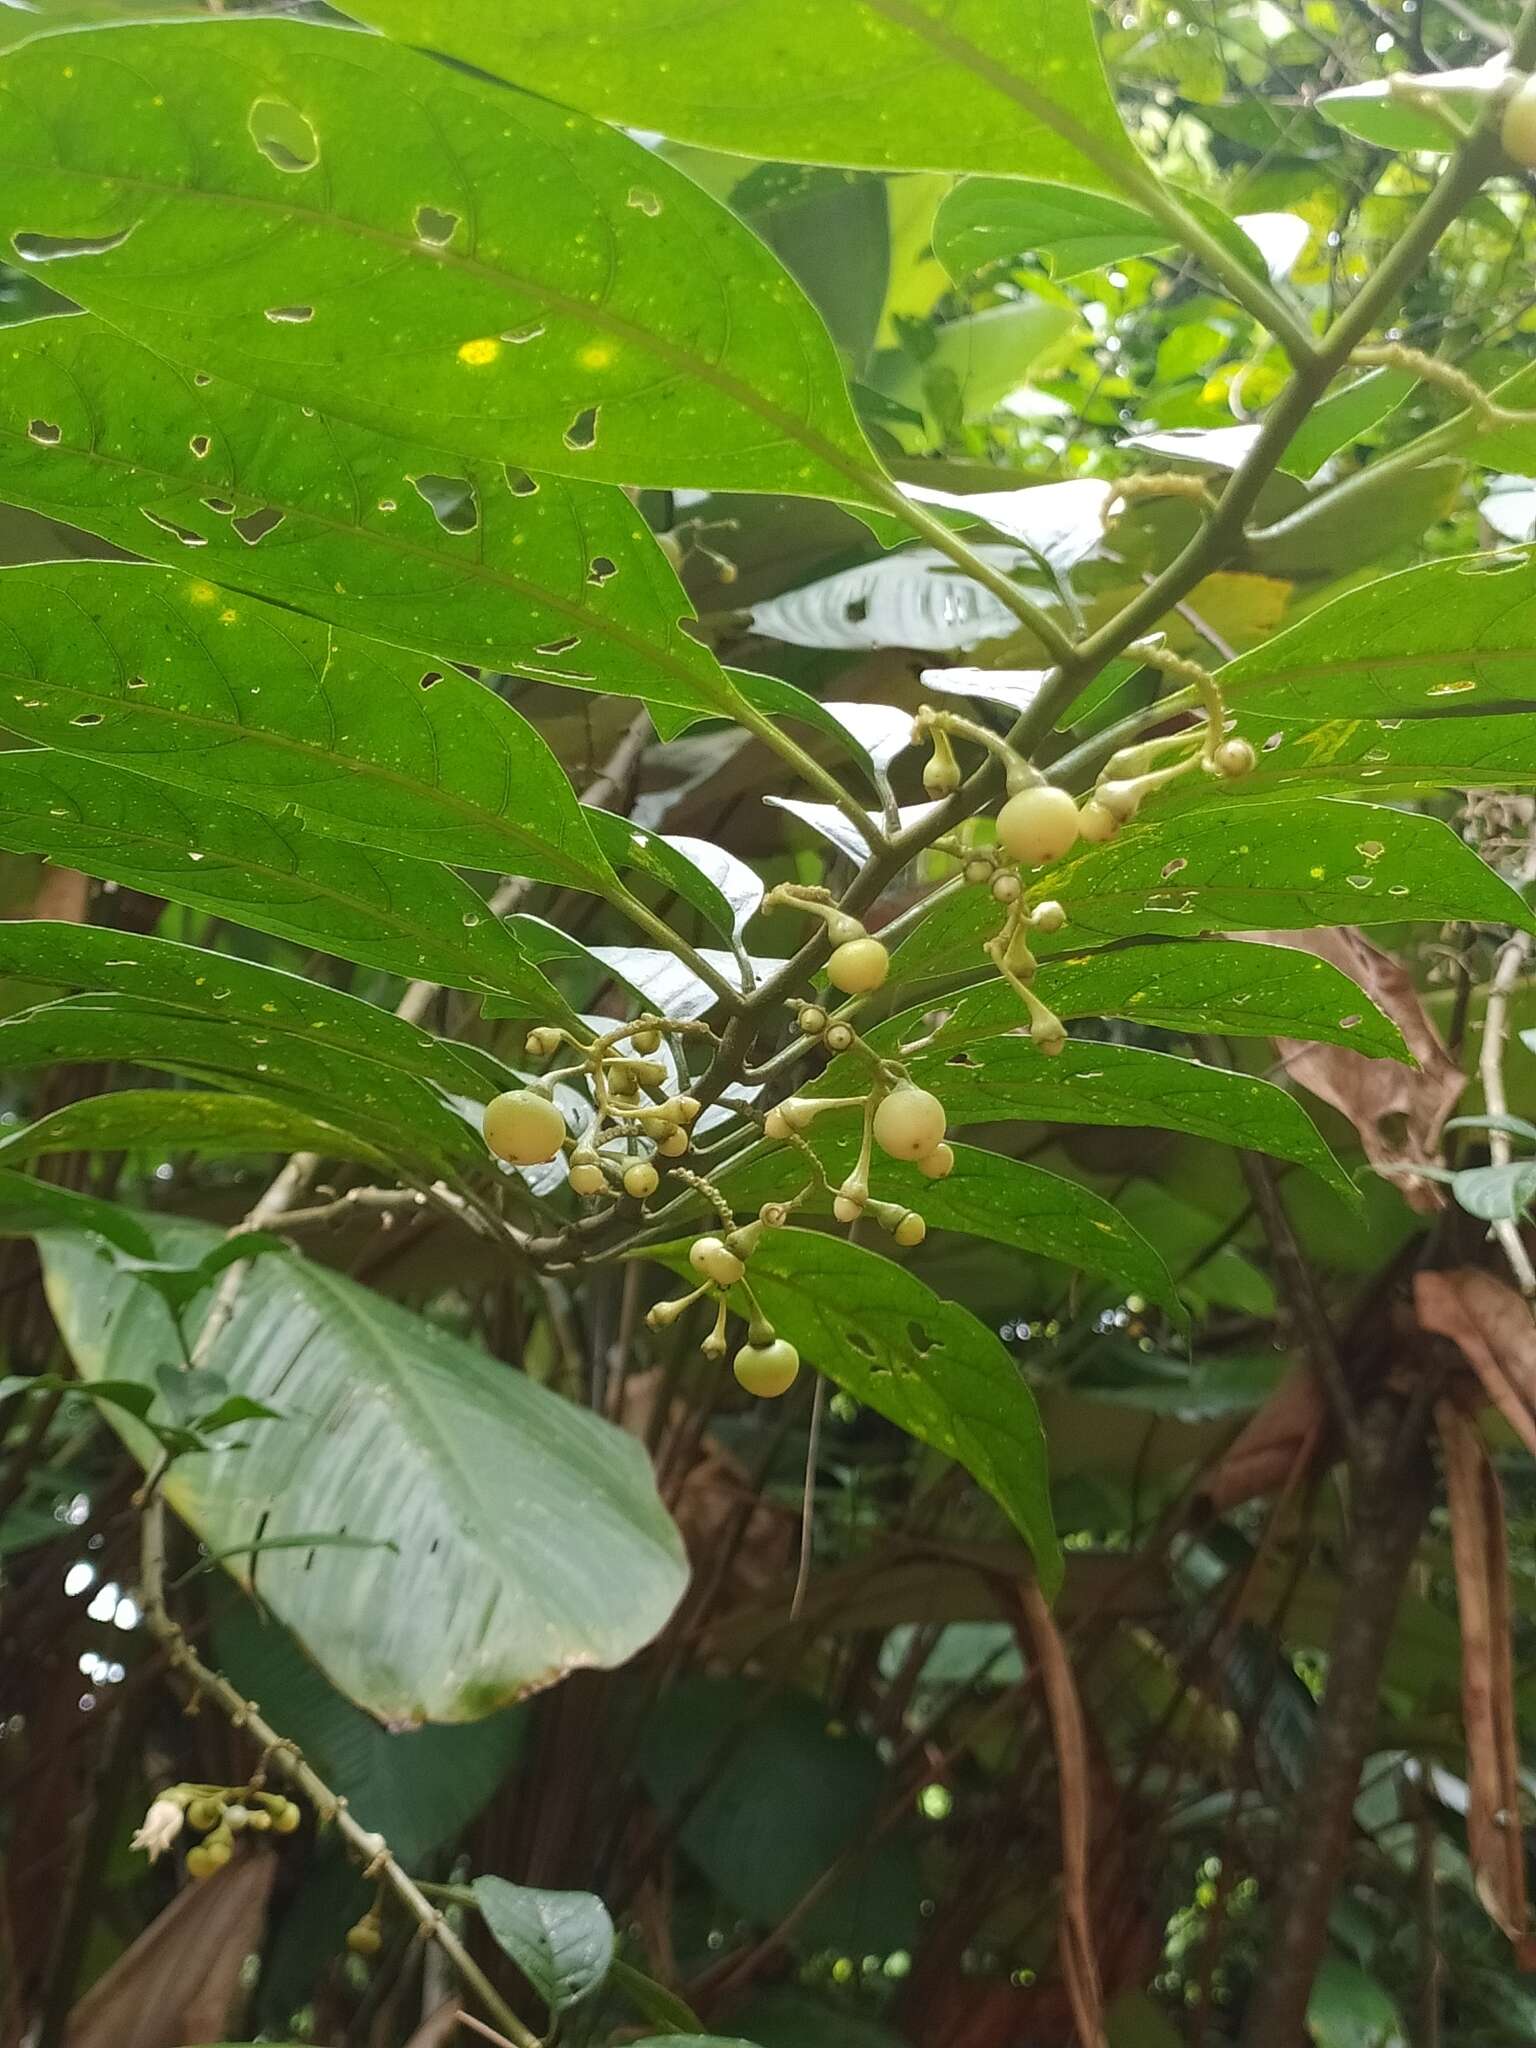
(159, 675)
(28, 1205)
(1244, 990)
(1454, 634)
(409, 917)
(537, 576)
(571, 302)
(1087, 1083)
(530, 1541)
(561, 1941)
(978, 86)
(183, 1120)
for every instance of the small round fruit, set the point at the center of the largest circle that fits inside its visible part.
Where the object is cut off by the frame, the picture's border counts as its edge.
(1120, 799)
(685, 1108)
(1095, 824)
(976, 872)
(287, 1818)
(543, 1040)
(237, 1818)
(1038, 824)
(200, 1864)
(767, 1370)
(673, 1145)
(939, 1164)
(217, 1850)
(839, 1037)
(1047, 917)
(645, 1041)
(365, 1939)
(843, 930)
(641, 1179)
(1006, 888)
(812, 1020)
(910, 1230)
(797, 1112)
(204, 1814)
(859, 967)
(1518, 132)
(910, 1123)
(523, 1127)
(776, 1124)
(941, 775)
(712, 1259)
(1234, 759)
(588, 1179)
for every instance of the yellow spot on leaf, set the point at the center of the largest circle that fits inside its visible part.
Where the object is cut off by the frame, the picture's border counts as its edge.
(201, 593)
(597, 355)
(228, 618)
(478, 353)
(1317, 874)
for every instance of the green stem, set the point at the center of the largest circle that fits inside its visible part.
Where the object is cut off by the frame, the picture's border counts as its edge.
(657, 928)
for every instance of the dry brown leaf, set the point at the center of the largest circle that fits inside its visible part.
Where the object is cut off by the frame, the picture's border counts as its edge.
(1479, 1543)
(1399, 1111)
(1274, 1446)
(1493, 1328)
(179, 1982)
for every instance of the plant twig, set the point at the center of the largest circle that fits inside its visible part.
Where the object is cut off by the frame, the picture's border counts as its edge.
(281, 1755)
(1513, 955)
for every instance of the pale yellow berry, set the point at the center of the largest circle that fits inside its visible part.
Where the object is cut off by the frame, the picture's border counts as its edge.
(588, 1179)
(767, 1370)
(910, 1123)
(523, 1127)
(939, 1163)
(1120, 799)
(1007, 888)
(797, 1112)
(673, 1144)
(1518, 131)
(1234, 759)
(646, 1040)
(812, 1020)
(541, 1042)
(910, 1230)
(859, 967)
(839, 1037)
(1047, 917)
(641, 1179)
(1049, 1034)
(286, 1819)
(685, 1108)
(1038, 824)
(977, 871)
(713, 1259)
(941, 775)
(1096, 824)
(776, 1124)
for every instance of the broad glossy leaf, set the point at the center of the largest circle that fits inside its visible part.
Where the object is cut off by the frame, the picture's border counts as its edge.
(979, 85)
(409, 917)
(1232, 867)
(392, 1112)
(90, 957)
(996, 220)
(534, 576)
(1062, 522)
(1378, 115)
(530, 1540)
(1007, 1201)
(916, 598)
(1010, 1079)
(27, 1206)
(1342, 417)
(1459, 634)
(1247, 990)
(927, 1364)
(161, 675)
(507, 281)
(1381, 757)
(183, 1120)
(561, 1941)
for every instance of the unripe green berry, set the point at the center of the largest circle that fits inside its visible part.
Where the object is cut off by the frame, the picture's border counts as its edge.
(641, 1179)
(1038, 824)
(859, 967)
(200, 1864)
(1096, 824)
(286, 1819)
(204, 1814)
(523, 1127)
(218, 1849)
(1234, 759)
(237, 1818)
(1518, 129)
(767, 1370)
(909, 1123)
(713, 1259)
(910, 1230)
(1048, 917)
(714, 1344)
(941, 775)
(938, 1164)
(812, 1020)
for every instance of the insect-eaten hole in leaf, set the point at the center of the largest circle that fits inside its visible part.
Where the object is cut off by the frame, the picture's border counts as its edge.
(137, 683)
(432, 677)
(285, 137)
(521, 484)
(184, 534)
(645, 201)
(582, 432)
(922, 1343)
(856, 611)
(87, 718)
(37, 248)
(1492, 565)
(290, 316)
(200, 445)
(564, 646)
(519, 336)
(223, 506)
(434, 226)
(857, 1341)
(454, 504)
(601, 568)
(45, 433)
(1276, 739)
(255, 526)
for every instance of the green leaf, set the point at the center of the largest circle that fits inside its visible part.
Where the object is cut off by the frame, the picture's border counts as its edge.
(1343, 416)
(982, 85)
(156, 674)
(125, 1394)
(561, 1941)
(1379, 757)
(1238, 867)
(1007, 1201)
(530, 1538)
(554, 581)
(92, 958)
(1496, 1193)
(1010, 1078)
(1378, 115)
(1348, 2009)
(175, 1120)
(509, 281)
(409, 917)
(926, 1364)
(28, 1205)
(999, 220)
(1247, 990)
(653, 2001)
(1459, 633)
(394, 1114)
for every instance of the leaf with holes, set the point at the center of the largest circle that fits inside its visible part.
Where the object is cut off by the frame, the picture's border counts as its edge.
(561, 1941)
(409, 917)
(1248, 990)
(1009, 1079)
(159, 675)
(1379, 757)
(1455, 635)
(1238, 867)
(183, 1120)
(509, 281)
(978, 85)
(535, 576)
(529, 1539)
